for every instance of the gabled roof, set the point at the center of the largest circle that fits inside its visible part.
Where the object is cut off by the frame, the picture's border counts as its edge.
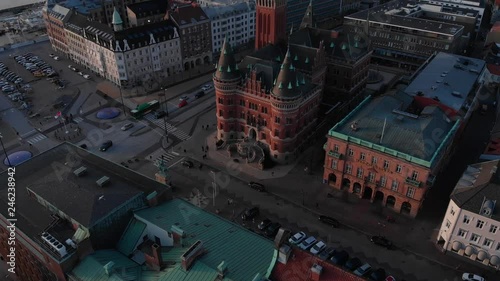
(188, 14)
(131, 236)
(148, 8)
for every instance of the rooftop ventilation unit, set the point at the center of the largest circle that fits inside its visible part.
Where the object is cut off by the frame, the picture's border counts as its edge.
(70, 242)
(456, 94)
(103, 181)
(54, 244)
(80, 171)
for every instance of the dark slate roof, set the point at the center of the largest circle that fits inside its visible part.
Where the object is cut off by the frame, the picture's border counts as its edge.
(479, 182)
(302, 56)
(308, 19)
(154, 7)
(266, 70)
(188, 14)
(337, 44)
(287, 83)
(227, 68)
(92, 30)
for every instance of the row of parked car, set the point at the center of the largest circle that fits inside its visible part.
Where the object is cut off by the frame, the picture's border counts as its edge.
(9, 79)
(35, 65)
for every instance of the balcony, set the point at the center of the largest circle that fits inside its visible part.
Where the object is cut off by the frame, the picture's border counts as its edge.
(413, 182)
(335, 154)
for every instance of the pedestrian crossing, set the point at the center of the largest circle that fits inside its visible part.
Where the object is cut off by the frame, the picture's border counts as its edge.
(172, 130)
(167, 157)
(77, 119)
(37, 138)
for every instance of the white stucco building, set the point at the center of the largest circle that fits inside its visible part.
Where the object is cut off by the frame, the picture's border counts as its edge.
(471, 225)
(236, 21)
(462, 4)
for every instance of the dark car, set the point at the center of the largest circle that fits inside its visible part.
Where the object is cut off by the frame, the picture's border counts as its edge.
(84, 146)
(187, 163)
(106, 145)
(250, 213)
(329, 220)
(199, 94)
(272, 230)
(327, 253)
(353, 263)
(264, 224)
(160, 114)
(381, 241)
(378, 275)
(340, 258)
(257, 186)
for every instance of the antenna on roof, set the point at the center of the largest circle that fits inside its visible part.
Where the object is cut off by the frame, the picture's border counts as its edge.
(383, 131)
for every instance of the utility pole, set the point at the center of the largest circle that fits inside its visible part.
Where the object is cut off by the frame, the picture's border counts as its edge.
(5, 152)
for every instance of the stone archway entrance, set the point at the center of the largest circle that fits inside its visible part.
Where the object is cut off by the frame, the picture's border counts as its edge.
(346, 184)
(406, 208)
(252, 134)
(367, 194)
(379, 197)
(332, 178)
(391, 201)
(356, 188)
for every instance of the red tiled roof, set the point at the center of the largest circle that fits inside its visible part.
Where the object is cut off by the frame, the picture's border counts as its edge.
(298, 268)
(493, 69)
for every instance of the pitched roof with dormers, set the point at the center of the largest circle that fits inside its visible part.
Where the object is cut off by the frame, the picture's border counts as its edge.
(287, 84)
(227, 68)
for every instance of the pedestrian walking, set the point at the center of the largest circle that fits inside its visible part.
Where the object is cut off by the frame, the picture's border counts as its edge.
(206, 148)
(40, 123)
(203, 126)
(202, 148)
(185, 151)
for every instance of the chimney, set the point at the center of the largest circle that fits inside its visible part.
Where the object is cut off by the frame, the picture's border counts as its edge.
(316, 272)
(108, 268)
(156, 251)
(221, 270)
(177, 235)
(189, 257)
(152, 199)
(284, 254)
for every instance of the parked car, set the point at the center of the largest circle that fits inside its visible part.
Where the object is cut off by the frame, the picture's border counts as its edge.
(159, 114)
(297, 238)
(52, 55)
(199, 94)
(84, 146)
(317, 248)
(106, 145)
(272, 229)
(249, 214)
(182, 103)
(329, 221)
(86, 76)
(340, 258)
(257, 186)
(183, 98)
(327, 253)
(127, 126)
(206, 87)
(56, 58)
(378, 275)
(187, 163)
(363, 270)
(307, 243)
(381, 241)
(353, 264)
(70, 66)
(472, 277)
(264, 224)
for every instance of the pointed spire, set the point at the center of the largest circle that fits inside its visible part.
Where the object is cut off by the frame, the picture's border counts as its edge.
(307, 20)
(228, 68)
(287, 78)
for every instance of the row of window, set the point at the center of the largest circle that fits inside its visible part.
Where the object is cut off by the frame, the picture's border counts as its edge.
(476, 238)
(479, 224)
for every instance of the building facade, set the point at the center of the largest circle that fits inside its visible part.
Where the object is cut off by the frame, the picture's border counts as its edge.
(387, 153)
(465, 6)
(323, 10)
(236, 21)
(269, 102)
(54, 17)
(143, 13)
(471, 225)
(195, 34)
(401, 37)
(271, 22)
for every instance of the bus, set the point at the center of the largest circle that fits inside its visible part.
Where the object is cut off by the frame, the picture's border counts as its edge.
(145, 108)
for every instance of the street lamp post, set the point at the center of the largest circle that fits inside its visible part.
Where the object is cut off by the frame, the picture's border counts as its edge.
(214, 187)
(4, 151)
(121, 97)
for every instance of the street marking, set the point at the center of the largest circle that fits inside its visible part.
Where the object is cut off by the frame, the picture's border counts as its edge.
(37, 138)
(172, 130)
(175, 163)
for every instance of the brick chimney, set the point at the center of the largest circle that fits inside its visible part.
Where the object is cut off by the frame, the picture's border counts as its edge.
(152, 199)
(190, 256)
(284, 254)
(108, 268)
(221, 270)
(177, 235)
(316, 270)
(157, 260)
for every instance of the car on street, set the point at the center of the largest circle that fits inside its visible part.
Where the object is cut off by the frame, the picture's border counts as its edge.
(183, 98)
(86, 76)
(297, 238)
(187, 163)
(353, 263)
(249, 214)
(84, 146)
(182, 103)
(307, 243)
(378, 275)
(381, 241)
(327, 253)
(52, 55)
(363, 270)
(80, 73)
(106, 145)
(264, 224)
(317, 248)
(206, 87)
(340, 258)
(257, 186)
(70, 66)
(75, 69)
(127, 126)
(329, 221)
(272, 229)
(472, 277)
(159, 114)
(56, 58)
(199, 94)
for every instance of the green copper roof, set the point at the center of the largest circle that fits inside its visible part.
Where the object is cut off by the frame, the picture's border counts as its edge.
(91, 268)
(244, 252)
(131, 236)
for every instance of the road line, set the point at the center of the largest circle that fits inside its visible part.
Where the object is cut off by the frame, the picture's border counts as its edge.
(176, 163)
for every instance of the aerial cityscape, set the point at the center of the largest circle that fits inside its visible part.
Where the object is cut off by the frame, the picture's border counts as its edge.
(249, 140)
